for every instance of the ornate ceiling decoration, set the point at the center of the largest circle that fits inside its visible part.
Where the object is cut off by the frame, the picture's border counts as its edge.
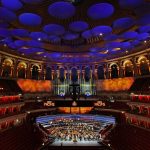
(74, 30)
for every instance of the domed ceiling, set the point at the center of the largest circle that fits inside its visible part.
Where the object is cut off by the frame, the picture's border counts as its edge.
(74, 31)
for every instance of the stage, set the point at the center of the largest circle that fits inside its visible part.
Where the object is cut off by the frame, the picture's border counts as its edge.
(71, 143)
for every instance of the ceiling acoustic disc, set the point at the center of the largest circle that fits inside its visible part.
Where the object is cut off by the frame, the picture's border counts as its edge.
(30, 19)
(78, 26)
(100, 11)
(61, 10)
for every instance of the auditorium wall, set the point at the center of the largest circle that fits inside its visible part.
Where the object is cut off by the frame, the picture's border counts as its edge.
(33, 86)
(114, 85)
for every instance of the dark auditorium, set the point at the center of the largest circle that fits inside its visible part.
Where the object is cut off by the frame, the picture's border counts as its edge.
(74, 74)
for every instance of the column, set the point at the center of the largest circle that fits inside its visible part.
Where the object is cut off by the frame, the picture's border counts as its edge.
(53, 73)
(148, 58)
(29, 71)
(14, 69)
(44, 73)
(135, 67)
(121, 70)
(69, 71)
(25, 73)
(1, 65)
(104, 67)
(108, 72)
(78, 72)
(83, 76)
(58, 74)
(95, 74)
(40, 74)
(12, 72)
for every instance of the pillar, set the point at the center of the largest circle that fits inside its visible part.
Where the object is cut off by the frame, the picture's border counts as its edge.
(28, 71)
(1, 65)
(14, 69)
(135, 67)
(108, 72)
(121, 70)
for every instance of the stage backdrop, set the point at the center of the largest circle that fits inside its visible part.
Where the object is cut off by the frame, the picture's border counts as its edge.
(120, 84)
(31, 86)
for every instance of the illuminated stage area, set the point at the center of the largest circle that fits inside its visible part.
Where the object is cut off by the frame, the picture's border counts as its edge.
(75, 130)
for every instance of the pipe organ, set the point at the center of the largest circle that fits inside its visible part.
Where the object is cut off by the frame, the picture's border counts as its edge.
(85, 78)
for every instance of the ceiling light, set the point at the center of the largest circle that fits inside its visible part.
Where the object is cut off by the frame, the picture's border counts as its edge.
(105, 52)
(38, 53)
(24, 47)
(5, 45)
(116, 49)
(39, 39)
(101, 34)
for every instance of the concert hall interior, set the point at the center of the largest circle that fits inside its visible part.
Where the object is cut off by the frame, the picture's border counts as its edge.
(75, 74)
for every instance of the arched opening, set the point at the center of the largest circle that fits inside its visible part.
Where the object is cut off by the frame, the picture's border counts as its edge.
(35, 73)
(61, 76)
(87, 74)
(74, 75)
(114, 71)
(48, 73)
(22, 70)
(144, 68)
(7, 68)
(100, 72)
(128, 69)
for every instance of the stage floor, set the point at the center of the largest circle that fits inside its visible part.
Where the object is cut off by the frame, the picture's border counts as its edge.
(79, 143)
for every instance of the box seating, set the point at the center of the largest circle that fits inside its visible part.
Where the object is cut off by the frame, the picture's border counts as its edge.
(127, 137)
(24, 137)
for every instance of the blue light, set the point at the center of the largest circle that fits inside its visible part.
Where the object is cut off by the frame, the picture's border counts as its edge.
(61, 10)
(4, 32)
(110, 37)
(123, 23)
(87, 93)
(126, 45)
(105, 30)
(135, 42)
(38, 35)
(20, 43)
(20, 33)
(34, 43)
(113, 45)
(54, 38)
(94, 49)
(78, 26)
(30, 19)
(7, 15)
(100, 11)
(70, 36)
(12, 45)
(87, 34)
(13, 5)
(130, 35)
(54, 29)
(144, 20)
(144, 29)
(143, 36)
